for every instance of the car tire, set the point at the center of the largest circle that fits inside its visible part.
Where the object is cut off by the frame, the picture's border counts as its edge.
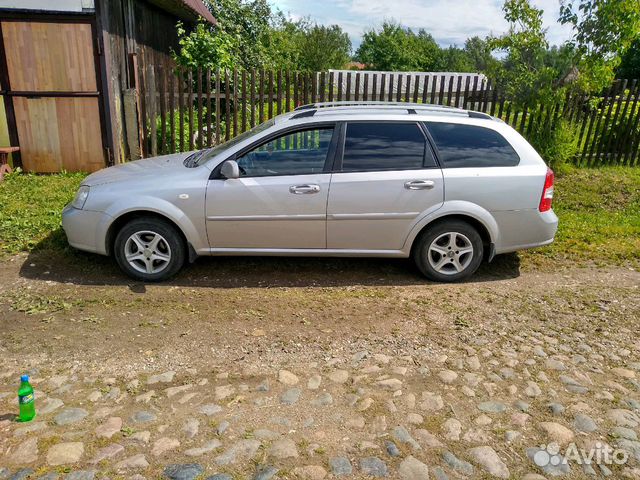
(149, 249)
(449, 251)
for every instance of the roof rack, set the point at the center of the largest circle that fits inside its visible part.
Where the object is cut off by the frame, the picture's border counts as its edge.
(378, 104)
(412, 108)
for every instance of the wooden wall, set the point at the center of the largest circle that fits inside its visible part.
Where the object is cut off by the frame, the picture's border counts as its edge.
(136, 34)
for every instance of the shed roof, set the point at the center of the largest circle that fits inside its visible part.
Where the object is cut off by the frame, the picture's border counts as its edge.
(194, 8)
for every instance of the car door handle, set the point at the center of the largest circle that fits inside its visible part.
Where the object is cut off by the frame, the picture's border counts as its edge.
(304, 189)
(420, 185)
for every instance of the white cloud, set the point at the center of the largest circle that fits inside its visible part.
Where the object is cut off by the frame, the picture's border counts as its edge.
(449, 21)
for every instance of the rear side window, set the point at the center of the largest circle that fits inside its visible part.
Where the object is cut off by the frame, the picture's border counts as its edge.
(466, 146)
(385, 146)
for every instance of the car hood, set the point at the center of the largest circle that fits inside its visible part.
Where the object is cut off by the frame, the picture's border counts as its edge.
(167, 165)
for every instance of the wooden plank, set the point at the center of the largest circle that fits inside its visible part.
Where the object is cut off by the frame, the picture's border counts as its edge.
(252, 98)
(365, 93)
(243, 102)
(323, 86)
(270, 99)
(296, 89)
(494, 100)
(607, 100)
(634, 117)
(209, 108)
(340, 98)
(234, 104)
(434, 89)
(391, 86)
(218, 113)
(357, 92)
(331, 83)
(425, 88)
(450, 92)
(287, 92)
(383, 80)
(181, 108)
(614, 121)
(416, 89)
(261, 97)
(627, 115)
(279, 94)
(227, 106)
(314, 88)
(508, 115)
(348, 86)
(59, 134)
(523, 119)
(190, 90)
(399, 91)
(408, 91)
(599, 150)
(50, 56)
(163, 109)
(172, 112)
(200, 113)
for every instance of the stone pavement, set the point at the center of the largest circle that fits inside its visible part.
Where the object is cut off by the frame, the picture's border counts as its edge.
(509, 407)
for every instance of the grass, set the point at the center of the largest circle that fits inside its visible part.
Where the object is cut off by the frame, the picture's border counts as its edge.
(599, 212)
(30, 207)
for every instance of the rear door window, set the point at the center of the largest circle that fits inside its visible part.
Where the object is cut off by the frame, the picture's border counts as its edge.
(374, 146)
(470, 146)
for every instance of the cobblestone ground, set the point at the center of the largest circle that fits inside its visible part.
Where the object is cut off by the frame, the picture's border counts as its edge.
(443, 397)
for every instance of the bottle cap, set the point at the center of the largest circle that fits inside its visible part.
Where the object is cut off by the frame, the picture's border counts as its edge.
(24, 378)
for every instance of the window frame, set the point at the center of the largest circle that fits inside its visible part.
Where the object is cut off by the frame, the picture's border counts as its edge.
(434, 146)
(338, 165)
(329, 161)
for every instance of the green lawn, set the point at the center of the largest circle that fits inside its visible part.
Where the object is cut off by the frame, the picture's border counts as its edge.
(599, 212)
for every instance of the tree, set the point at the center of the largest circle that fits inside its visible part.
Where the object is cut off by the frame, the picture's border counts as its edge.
(603, 31)
(454, 59)
(204, 48)
(395, 48)
(630, 63)
(479, 52)
(523, 75)
(322, 48)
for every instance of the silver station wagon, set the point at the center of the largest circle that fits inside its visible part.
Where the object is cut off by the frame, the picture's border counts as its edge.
(445, 186)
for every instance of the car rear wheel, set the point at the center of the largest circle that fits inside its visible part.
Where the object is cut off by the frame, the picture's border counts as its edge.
(450, 251)
(149, 249)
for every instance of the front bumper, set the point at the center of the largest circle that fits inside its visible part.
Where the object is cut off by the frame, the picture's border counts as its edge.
(85, 229)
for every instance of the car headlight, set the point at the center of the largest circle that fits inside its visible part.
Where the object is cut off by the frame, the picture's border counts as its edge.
(81, 197)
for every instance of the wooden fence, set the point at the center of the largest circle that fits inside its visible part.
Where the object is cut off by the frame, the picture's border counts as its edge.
(187, 110)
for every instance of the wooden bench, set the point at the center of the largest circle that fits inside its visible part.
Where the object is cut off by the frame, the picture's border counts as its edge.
(4, 160)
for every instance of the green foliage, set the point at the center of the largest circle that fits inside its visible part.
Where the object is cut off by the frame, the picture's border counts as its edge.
(523, 75)
(322, 48)
(556, 143)
(624, 127)
(603, 31)
(630, 63)
(30, 209)
(479, 52)
(395, 48)
(204, 47)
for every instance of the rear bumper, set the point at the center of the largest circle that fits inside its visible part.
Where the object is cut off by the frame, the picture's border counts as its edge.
(524, 229)
(84, 229)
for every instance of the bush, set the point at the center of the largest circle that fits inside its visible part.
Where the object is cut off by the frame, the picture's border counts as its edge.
(556, 143)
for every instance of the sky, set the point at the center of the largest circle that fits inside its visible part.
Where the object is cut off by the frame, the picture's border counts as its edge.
(450, 22)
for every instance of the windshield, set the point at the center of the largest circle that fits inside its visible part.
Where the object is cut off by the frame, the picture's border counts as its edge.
(203, 156)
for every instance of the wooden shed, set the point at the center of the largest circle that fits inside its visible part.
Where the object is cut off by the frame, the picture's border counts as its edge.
(70, 76)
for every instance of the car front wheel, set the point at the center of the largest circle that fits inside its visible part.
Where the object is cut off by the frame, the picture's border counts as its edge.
(149, 249)
(450, 251)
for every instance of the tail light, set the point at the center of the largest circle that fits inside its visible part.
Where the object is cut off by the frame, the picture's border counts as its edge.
(547, 193)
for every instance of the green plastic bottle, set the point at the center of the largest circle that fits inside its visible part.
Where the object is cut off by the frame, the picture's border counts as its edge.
(26, 400)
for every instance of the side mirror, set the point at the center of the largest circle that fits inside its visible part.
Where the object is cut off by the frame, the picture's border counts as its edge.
(230, 170)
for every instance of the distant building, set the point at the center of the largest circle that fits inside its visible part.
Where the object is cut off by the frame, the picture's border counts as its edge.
(70, 71)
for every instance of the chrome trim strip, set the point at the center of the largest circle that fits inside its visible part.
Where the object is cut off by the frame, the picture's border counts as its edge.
(372, 216)
(304, 252)
(263, 218)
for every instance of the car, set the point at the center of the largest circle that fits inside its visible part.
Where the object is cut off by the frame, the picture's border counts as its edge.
(446, 187)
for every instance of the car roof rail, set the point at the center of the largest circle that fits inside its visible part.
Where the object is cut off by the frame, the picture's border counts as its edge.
(309, 110)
